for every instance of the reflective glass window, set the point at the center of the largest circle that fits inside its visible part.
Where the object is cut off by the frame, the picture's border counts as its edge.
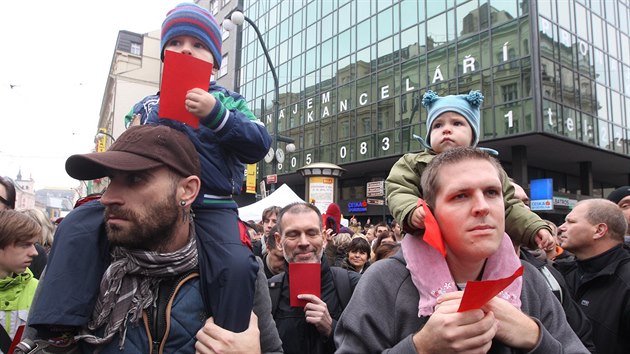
(346, 42)
(602, 102)
(568, 89)
(588, 127)
(346, 17)
(564, 14)
(467, 18)
(409, 43)
(551, 121)
(312, 59)
(436, 32)
(616, 108)
(386, 117)
(434, 7)
(571, 120)
(345, 125)
(363, 11)
(312, 12)
(364, 117)
(503, 10)
(587, 95)
(601, 66)
(385, 24)
(615, 74)
(328, 27)
(327, 132)
(364, 30)
(581, 21)
(598, 39)
(612, 41)
(409, 13)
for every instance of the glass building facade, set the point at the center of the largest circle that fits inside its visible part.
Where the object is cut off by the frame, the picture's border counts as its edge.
(555, 76)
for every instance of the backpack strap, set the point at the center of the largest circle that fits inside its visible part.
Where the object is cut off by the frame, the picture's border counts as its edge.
(275, 287)
(341, 278)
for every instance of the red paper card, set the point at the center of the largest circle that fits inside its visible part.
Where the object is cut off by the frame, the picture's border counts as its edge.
(478, 293)
(432, 233)
(304, 278)
(17, 338)
(181, 73)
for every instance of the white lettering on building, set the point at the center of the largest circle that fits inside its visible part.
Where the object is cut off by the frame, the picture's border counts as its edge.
(437, 75)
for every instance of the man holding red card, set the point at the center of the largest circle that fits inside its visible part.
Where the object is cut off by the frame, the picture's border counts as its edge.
(308, 298)
(464, 243)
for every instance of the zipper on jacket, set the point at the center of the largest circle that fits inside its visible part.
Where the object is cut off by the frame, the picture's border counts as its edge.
(159, 316)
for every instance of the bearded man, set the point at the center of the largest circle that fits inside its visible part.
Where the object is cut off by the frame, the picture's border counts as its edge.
(150, 297)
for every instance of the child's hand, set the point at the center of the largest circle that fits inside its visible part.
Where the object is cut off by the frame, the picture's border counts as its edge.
(199, 102)
(417, 218)
(545, 240)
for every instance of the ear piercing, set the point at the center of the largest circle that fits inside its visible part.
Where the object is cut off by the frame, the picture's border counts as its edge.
(182, 203)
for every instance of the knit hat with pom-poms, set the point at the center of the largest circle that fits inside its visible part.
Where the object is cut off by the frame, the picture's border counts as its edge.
(466, 105)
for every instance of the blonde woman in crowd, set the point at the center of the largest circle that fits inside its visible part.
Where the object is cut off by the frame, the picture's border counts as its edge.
(46, 224)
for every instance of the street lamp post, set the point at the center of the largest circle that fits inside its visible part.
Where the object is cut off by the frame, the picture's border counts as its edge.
(100, 139)
(236, 17)
(101, 134)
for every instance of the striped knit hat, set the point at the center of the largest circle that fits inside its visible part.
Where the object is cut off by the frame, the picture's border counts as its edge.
(188, 19)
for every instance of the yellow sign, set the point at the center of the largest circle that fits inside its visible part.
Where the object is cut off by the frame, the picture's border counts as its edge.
(100, 144)
(250, 186)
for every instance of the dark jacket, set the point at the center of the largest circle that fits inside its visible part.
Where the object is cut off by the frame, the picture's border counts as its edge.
(601, 287)
(226, 139)
(346, 265)
(297, 336)
(183, 317)
(382, 316)
(577, 319)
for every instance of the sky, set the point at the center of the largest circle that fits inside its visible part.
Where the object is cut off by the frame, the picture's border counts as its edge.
(54, 63)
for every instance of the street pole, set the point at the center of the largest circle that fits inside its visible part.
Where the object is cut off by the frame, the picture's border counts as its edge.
(276, 99)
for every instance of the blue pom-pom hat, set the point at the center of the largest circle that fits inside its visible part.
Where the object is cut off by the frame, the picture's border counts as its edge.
(466, 105)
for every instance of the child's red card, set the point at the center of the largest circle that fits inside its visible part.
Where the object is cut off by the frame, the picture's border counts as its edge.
(478, 293)
(304, 278)
(181, 73)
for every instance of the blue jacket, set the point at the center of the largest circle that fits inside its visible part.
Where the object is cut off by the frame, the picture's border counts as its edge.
(226, 139)
(184, 317)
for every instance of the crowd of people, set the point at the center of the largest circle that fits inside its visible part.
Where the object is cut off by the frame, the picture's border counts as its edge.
(161, 263)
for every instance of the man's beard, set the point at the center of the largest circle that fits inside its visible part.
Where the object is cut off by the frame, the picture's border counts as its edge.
(151, 230)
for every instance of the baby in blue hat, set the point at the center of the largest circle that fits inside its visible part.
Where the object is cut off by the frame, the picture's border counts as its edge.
(453, 121)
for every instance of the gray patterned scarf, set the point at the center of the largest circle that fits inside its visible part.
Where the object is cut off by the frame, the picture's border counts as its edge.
(129, 286)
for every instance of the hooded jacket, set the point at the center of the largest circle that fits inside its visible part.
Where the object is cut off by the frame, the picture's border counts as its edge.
(16, 295)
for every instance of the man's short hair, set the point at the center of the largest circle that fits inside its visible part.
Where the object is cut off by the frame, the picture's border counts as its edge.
(270, 240)
(298, 208)
(266, 214)
(139, 148)
(429, 180)
(16, 227)
(607, 212)
(381, 224)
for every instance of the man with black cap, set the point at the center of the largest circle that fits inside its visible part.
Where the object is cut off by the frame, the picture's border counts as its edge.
(621, 197)
(150, 296)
